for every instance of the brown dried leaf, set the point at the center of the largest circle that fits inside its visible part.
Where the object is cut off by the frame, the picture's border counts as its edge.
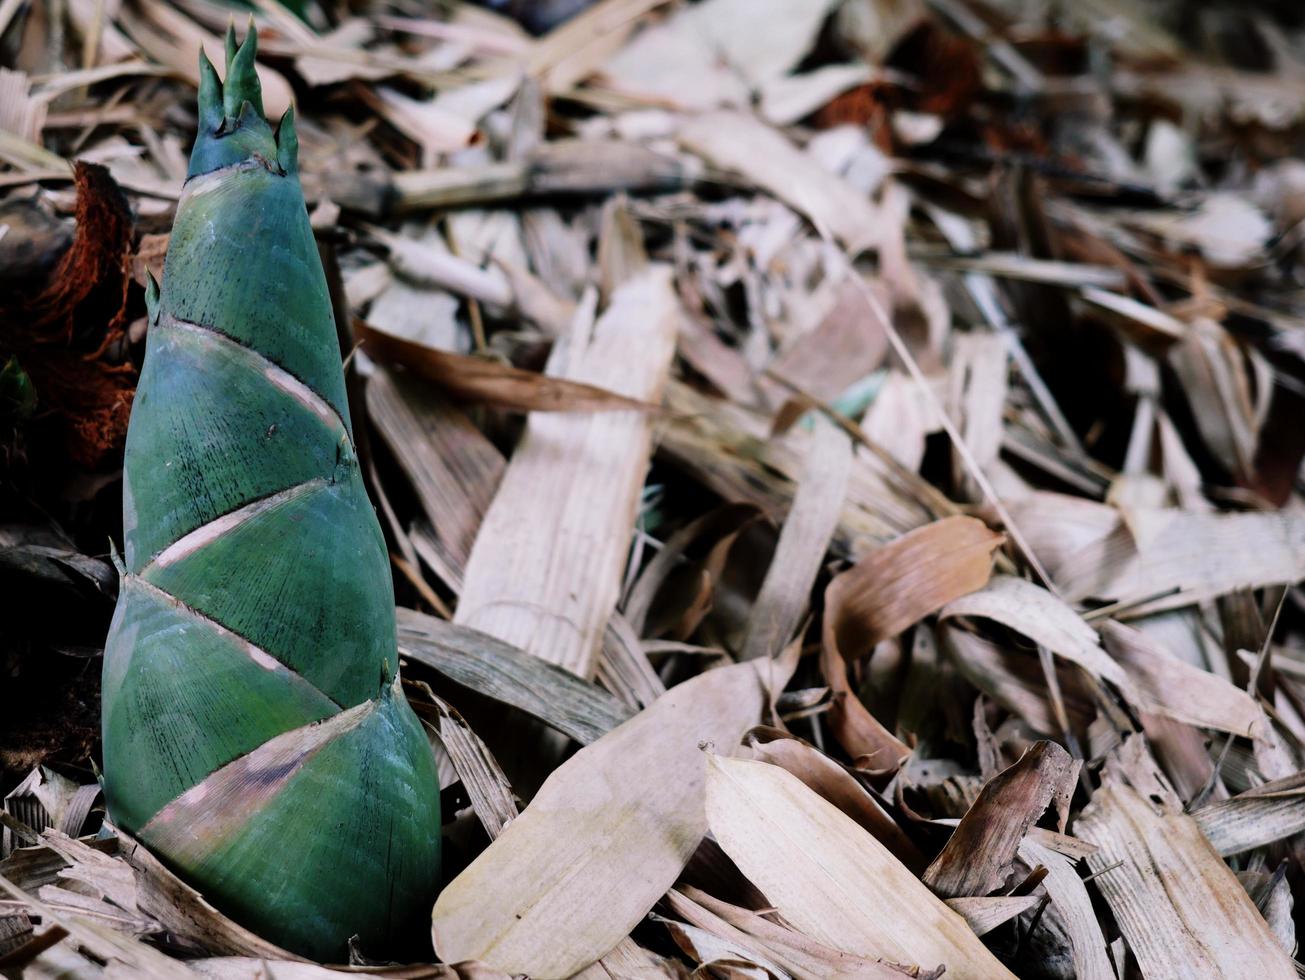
(898, 584)
(476, 379)
(606, 835)
(977, 858)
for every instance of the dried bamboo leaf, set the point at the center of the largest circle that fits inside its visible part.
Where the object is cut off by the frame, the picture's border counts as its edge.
(1257, 817)
(498, 670)
(488, 382)
(720, 49)
(977, 857)
(1016, 681)
(118, 951)
(826, 777)
(1178, 690)
(489, 790)
(805, 537)
(453, 467)
(184, 912)
(741, 143)
(770, 943)
(983, 913)
(1197, 556)
(545, 570)
(1039, 615)
(898, 584)
(1071, 899)
(1178, 905)
(606, 835)
(831, 879)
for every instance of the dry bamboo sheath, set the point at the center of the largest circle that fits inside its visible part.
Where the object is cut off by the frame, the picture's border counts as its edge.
(255, 736)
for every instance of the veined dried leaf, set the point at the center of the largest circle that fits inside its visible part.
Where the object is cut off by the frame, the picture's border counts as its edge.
(453, 467)
(604, 838)
(771, 943)
(831, 879)
(476, 379)
(498, 670)
(825, 776)
(1071, 899)
(1257, 817)
(1180, 908)
(1015, 680)
(898, 584)
(1178, 690)
(978, 856)
(1200, 555)
(1039, 615)
(184, 912)
(738, 142)
(720, 48)
(250, 968)
(810, 524)
(545, 569)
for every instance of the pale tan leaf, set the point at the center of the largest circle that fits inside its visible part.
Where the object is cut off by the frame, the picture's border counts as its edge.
(545, 570)
(1178, 690)
(1071, 900)
(720, 48)
(766, 941)
(1197, 556)
(803, 541)
(603, 839)
(1178, 905)
(738, 142)
(1257, 817)
(828, 778)
(831, 879)
(1036, 613)
(983, 913)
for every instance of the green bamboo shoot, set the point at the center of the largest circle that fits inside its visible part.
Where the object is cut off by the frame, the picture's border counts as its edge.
(255, 735)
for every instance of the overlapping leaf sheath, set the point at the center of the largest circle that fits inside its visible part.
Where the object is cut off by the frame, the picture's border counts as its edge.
(255, 735)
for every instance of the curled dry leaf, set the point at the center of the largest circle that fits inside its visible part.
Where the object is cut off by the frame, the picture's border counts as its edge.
(1034, 612)
(1178, 690)
(898, 584)
(885, 592)
(830, 878)
(604, 838)
(977, 858)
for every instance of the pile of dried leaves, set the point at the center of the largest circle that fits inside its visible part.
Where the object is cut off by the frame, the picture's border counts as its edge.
(841, 461)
